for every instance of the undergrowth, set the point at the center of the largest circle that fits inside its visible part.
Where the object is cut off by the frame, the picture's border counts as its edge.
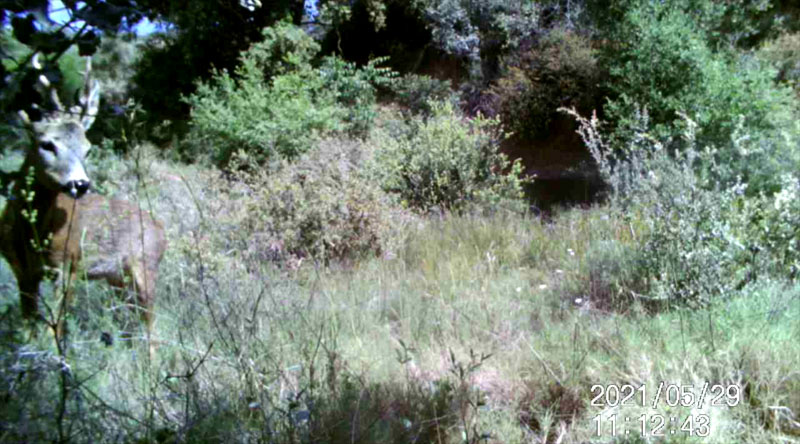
(477, 328)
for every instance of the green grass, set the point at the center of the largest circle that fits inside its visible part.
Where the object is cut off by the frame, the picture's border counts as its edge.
(480, 329)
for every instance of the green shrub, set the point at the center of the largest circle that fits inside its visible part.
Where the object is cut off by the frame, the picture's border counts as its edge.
(284, 118)
(277, 104)
(354, 89)
(285, 49)
(773, 230)
(263, 117)
(693, 245)
(784, 54)
(665, 62)
(478, 32)
(560, 71)
(415, 92)
(736, 23)
(698, 238)
(448, 161)
(324, 205)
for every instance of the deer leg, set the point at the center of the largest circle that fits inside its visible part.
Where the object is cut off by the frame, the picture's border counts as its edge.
(29, 303)
(142, 285)
(29, 296)
(65, 288)
(145, 282)
(146, 306)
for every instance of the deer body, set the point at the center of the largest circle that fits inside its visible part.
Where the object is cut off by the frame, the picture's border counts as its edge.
(75, 233)
(92, 236)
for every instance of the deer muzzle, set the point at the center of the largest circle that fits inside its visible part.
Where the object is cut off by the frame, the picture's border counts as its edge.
(77, 188)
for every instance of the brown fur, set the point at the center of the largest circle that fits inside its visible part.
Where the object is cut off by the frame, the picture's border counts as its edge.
(103, 238)
(78, 234)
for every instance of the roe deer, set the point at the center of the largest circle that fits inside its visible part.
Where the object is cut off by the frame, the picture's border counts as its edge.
(110, 239)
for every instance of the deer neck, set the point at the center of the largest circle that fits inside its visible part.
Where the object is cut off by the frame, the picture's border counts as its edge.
(38, 197)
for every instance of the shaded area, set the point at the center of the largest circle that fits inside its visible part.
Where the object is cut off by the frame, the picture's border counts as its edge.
(563, 172)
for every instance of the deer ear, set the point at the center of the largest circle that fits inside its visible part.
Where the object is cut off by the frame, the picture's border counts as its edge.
(90, 103)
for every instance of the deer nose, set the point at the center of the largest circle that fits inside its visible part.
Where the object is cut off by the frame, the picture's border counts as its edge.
(77, 188)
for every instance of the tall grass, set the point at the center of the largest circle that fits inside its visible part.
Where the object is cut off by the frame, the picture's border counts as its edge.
(476, 329)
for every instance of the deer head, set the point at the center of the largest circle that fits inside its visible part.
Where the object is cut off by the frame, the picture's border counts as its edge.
(60, 139)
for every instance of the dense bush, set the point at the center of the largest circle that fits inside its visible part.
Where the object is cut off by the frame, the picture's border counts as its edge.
(416, 92)
(354, 89)
(735, 23)
(773, 230)
(479, 31)
(447, 161)
(277, 103)
(665, 62)
(561, 70)
(286, 48)
(324, 205)
(284, 118)
(196, 37)
(692, 244)
(698, 238)
(784, 54)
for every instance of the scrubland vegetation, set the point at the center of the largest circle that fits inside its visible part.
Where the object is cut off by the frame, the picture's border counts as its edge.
(352, 257)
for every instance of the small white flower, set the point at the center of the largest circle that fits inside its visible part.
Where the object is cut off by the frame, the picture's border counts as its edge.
(570, 251)
(542, 287)
(519, 289)
(579, 301)
(559, 271)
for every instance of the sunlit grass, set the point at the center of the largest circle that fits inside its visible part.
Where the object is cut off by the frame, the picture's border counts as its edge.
(381, 349)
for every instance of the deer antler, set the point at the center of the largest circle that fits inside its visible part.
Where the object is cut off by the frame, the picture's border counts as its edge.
(89, 100)
(48, 87)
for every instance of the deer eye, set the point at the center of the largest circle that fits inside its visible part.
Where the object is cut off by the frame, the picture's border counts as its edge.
(48, 146)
